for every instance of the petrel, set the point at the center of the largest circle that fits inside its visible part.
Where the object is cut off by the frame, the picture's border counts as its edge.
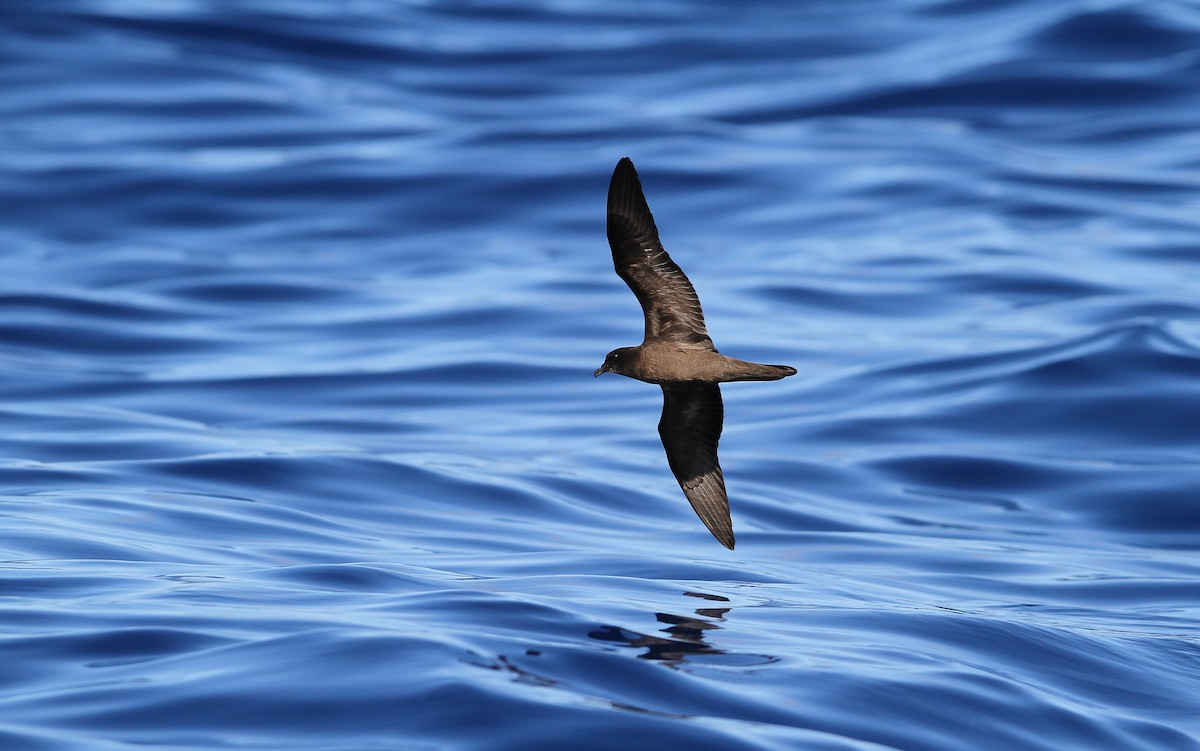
(675, 353)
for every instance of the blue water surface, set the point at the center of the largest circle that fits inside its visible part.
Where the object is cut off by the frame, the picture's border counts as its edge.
(302, 449)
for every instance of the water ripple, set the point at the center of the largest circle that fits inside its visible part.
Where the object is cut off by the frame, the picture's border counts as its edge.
(303, 449)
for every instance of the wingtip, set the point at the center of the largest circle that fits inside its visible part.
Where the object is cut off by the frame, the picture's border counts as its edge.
(627, 201)
(721, 528)
(624, 174)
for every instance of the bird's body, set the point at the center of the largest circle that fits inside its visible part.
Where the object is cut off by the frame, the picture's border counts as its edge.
(662, 362)
(676, 353)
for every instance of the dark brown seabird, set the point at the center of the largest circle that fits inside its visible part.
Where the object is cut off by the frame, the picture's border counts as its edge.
(675, 353)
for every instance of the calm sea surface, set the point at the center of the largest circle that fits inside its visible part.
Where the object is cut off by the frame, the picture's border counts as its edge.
(301, 449)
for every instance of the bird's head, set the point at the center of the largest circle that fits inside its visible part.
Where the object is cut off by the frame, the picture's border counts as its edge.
(618, 360)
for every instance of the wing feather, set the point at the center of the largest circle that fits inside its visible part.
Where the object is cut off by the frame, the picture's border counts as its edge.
(690, 428)
(669, 302)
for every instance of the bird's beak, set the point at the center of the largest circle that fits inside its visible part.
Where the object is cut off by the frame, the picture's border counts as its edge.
(601, 369)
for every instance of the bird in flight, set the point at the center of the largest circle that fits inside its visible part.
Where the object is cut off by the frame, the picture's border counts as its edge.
(676, 353)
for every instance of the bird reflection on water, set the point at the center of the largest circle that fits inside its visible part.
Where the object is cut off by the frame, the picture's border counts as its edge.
(686, 641)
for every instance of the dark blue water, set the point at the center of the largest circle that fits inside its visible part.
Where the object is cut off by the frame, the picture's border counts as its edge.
(300, 305)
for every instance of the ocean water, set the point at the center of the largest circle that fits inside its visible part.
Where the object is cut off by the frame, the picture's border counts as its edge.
(300, 305)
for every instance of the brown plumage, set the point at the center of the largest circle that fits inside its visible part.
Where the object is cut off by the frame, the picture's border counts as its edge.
(675, 353)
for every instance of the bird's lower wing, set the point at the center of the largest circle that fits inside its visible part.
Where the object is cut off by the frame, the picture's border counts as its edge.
(690, 428)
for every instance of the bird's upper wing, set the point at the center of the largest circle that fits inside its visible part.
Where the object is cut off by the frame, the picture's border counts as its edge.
(668, 299)
(690, 429)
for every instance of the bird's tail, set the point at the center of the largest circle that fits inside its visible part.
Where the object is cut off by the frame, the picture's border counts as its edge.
(754, 371)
